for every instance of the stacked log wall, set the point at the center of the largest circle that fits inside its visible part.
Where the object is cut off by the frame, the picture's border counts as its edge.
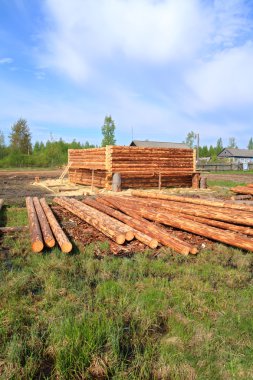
(88, 166)
(139, 167)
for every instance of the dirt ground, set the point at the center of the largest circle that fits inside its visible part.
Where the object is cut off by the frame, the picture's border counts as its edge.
(16, 185)
(247, 178)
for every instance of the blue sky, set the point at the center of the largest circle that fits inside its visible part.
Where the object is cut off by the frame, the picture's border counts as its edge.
(159, 67)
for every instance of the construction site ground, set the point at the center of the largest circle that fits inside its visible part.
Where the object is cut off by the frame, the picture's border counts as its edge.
(16, 185)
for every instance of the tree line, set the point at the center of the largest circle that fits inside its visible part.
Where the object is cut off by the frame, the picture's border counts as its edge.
(20, 152)
(212, 151)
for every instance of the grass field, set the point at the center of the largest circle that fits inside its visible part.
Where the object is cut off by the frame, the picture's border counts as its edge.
(224, 183)
(141, 317)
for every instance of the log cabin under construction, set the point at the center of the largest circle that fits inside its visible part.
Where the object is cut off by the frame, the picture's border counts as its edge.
(139, 167)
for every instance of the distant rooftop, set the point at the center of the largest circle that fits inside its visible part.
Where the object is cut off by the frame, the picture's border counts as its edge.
(232, 152)
(158, 144)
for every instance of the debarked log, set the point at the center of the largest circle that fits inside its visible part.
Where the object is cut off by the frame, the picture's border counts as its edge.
(34, 227)
(59, 234)
(94, 219)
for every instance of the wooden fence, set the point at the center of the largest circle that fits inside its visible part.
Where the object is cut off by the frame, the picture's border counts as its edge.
(224, 167)
(139, 167)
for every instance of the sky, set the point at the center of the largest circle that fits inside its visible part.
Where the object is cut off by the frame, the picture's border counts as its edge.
(160, 68)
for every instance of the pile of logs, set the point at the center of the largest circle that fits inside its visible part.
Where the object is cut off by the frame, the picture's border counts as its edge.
(121, 227)
(138, 167)
(247, 189)
(142, 215)
(43, 226)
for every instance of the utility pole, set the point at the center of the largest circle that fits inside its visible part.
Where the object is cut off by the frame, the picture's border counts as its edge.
(197, 137)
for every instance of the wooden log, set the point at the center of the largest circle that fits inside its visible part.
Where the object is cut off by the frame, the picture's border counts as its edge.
(240, 197)
(125, 207)
(225, 215)
(213, 233)
(195, 180)
(13, 229)
(242, 190)
(34, 227)
(97, 222)
(226, 226)
(44, 225)
(197, 201)
(154, 231)
(1, 203)
(107, 220)
(134, 223)
(60, 236)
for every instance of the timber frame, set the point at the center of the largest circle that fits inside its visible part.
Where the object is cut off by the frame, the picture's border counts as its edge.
(139, 167)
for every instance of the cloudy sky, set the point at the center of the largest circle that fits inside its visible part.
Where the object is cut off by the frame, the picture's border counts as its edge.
(160, 68)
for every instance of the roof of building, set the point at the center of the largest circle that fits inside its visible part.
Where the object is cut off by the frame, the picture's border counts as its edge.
(232, 152)
(158, 144)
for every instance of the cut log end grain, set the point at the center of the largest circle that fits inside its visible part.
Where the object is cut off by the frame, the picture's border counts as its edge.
(66, 247)
(120, 239)
(37, 246)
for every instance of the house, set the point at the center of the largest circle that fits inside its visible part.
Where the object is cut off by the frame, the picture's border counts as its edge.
(158, 144)
(242, 156)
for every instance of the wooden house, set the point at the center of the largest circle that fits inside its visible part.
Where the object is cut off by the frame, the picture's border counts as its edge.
(140, 167)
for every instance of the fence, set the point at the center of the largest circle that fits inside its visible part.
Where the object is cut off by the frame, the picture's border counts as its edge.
(225, 167)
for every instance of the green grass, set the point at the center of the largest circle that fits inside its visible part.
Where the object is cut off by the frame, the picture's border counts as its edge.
(145, 317)
(29, 168)
(224, 183)
(232, 172)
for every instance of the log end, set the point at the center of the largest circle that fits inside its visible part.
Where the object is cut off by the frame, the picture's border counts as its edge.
(194, 250)
(129, 235)
(37, 246)
(120, 239)
(66, 247)
(184, 251)
(153, 244)
(50, 243)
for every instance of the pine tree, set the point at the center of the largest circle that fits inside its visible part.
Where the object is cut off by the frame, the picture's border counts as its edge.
(108, 132)
(250, 144)
(20, 137)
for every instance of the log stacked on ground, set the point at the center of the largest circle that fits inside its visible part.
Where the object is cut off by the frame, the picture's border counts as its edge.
(162, 212)
(34, 226)
(110, 227)
(153, 230)
(139, 167)
(44, 225)
(134, 223)
(248, 189)
(41, 219)
(60, 236)
(1, 203)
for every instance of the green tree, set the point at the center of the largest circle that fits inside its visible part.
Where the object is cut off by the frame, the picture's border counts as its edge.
(2, 142)
(20, 137)
(250, 144)
(108, 132)
(190, 139)
(219, 146)
(232, 143)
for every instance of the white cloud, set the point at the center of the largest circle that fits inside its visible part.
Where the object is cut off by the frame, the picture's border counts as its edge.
(5, 60)
(82, 32)
(224, 82)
